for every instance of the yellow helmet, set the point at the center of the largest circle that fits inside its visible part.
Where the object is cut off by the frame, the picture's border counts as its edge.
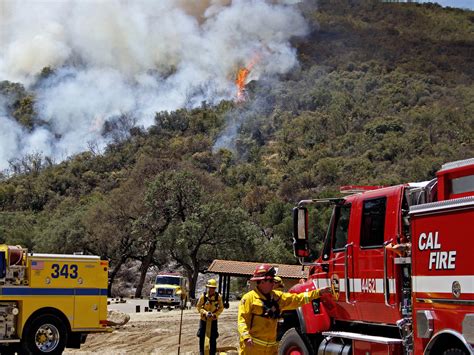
(278, 282)
(211, 283)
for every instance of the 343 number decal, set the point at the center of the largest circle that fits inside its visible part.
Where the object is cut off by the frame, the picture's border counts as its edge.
(66, 271)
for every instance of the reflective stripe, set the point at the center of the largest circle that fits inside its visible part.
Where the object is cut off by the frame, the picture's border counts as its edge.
(306, 297)
(443, 284)
(424, 283)
(356, 285)
(53, 291)
(264, 343)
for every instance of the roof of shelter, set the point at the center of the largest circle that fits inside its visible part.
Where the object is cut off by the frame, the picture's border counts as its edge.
(245, 268)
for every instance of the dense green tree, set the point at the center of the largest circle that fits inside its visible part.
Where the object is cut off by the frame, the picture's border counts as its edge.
(172, 195)
(109, 224)
(212, 231)
(189, 223)
(19, 228)
(63, 229)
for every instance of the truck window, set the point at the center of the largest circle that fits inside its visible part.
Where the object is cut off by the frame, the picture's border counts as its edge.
(341, 226)
(373, 222)
(463, 184)
(167, 280)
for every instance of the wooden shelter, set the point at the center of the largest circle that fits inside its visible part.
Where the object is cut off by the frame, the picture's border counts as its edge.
(290, 274)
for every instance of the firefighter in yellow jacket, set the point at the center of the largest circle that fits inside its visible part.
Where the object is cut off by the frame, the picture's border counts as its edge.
(260, 309)
(210, 306)
(278, 284)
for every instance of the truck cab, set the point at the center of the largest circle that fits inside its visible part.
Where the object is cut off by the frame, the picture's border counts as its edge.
(169, 290)
(370, 262)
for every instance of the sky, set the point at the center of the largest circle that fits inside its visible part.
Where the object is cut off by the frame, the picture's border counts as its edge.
(463, 4)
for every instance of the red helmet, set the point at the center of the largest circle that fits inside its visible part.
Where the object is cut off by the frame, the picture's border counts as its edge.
(263, 272)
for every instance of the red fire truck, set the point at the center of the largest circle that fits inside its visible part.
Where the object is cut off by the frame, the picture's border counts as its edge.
(400, 261)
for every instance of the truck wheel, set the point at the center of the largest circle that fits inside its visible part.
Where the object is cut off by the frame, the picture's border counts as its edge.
(151, 304)
(454, 351)
(292, 344)
(45, 334)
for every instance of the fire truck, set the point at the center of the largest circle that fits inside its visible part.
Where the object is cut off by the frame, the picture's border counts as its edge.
(400, 262)
(48, 301)
(169, 290)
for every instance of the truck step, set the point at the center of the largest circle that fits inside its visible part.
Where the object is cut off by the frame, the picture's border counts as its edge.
(363, 337)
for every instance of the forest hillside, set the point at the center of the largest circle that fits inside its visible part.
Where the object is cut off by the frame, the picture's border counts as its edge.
(382, 94)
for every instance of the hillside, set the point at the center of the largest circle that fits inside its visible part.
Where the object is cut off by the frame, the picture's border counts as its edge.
(383, 94)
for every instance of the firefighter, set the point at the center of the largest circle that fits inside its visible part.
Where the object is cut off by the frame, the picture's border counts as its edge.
(278, 283)
(210, 306)
(260, 309)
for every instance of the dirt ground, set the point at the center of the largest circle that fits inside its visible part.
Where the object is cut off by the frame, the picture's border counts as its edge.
(158, 333)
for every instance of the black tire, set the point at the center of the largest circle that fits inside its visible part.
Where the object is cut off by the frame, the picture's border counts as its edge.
(44, 334)
(10, 349)
(292, 342)
(454, 351)
(151, 304)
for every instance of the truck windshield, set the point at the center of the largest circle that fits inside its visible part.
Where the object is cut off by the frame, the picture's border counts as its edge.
(167, 280)
(341, 226)
(336, 237)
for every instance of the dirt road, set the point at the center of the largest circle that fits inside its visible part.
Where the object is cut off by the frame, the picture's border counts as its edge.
(158, 332)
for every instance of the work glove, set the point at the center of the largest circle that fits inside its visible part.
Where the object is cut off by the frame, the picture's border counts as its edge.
(325, 291)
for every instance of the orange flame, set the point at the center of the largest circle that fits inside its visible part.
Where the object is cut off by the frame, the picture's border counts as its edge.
(241, 78)
(240, 82)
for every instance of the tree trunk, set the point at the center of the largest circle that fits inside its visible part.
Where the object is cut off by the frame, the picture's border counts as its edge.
(144, 269)
(192, 275)
(112, 275)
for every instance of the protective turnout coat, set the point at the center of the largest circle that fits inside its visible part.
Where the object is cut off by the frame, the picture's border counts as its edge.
(211, 304)
(258, 318)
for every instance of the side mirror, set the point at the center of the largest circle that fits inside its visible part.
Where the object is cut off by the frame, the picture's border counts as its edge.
(300, 232)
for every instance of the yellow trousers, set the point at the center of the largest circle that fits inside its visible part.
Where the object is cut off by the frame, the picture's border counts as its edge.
(258, 349)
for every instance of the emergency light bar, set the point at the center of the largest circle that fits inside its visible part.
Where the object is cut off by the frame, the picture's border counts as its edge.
(355, 189)
(315, 201)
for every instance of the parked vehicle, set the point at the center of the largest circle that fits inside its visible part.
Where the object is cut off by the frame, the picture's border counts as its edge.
(399, 262)
(169, 290)
(49, 301)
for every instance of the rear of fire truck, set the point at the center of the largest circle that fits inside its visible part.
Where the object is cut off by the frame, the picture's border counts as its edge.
(442, 264)
(49, 302)
(397, 259)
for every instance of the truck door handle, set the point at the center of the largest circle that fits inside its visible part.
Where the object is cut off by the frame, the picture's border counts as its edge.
(346, 272)
(386, 286)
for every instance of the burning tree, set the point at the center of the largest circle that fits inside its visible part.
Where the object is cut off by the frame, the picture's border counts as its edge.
(242, 76)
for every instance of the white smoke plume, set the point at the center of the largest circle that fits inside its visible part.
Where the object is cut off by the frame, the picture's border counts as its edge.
(136, 57)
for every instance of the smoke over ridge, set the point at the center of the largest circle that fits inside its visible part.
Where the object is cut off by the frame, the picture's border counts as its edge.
(111, 57)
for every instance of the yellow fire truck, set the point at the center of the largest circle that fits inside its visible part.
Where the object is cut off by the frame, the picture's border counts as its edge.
(169, 290)
(48, 301)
